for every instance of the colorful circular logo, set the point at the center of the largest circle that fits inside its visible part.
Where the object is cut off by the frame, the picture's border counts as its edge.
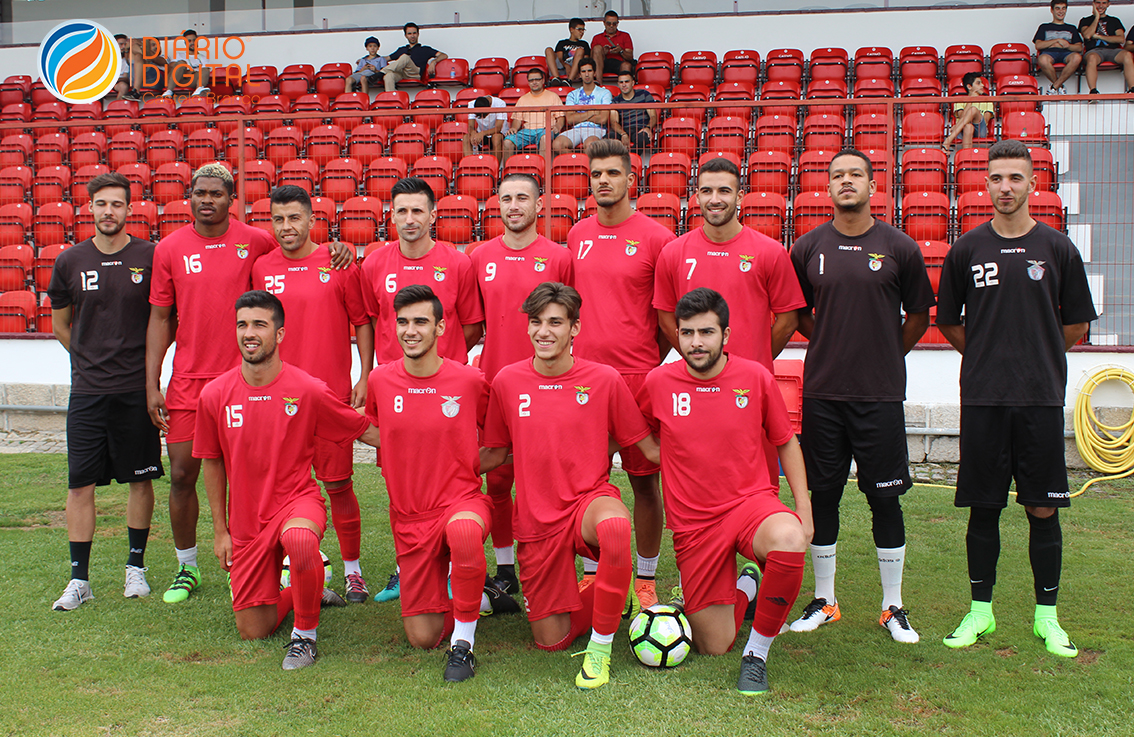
(79, 61)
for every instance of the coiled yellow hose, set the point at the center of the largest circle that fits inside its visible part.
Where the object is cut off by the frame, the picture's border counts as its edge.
(1105, 448)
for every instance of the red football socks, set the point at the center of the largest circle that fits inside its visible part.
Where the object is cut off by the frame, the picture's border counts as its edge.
(612, 580)
(302, 546)
(466, 543)
(500, 492)
(347, 519)
(783, 575)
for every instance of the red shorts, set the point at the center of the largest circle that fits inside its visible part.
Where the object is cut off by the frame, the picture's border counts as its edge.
(423, 554)
(181, 402)
(633, 462)
(256, 563)
(706, 556)
(333, 462)
(547, 566)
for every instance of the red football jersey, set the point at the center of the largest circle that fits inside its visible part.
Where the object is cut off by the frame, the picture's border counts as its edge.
(430, 428)
(446, 270)
(712, 436)
(558, 428)
(202, 278)
(506, 278)
(614, 273)
(320, 305)
(266, 436)
(752, 272)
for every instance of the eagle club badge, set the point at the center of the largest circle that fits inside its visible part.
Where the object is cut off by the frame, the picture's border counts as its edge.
(136, 274)
(449, 407)
(291, 406)
(581, 395)
(540, 263)
(439, 273)
(324, 274)
(632, 247)
(876, 261)
(746, 263)
(742, 397)
(1035, 271)
(242, 250)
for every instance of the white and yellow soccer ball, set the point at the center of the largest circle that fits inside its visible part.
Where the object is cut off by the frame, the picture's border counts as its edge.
(285, 574)
(660, 636)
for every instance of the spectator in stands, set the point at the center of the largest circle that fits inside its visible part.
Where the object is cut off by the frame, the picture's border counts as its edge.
(585, 125)
(970, 119)
(564, 59)
(1058, 43)
(1103, 38)
(635, 128)
(528, 128)
(186, 67)
(147, 66)
(412, 61)
(486, 129)
(367, 67)
(123, 87)
(612, 49)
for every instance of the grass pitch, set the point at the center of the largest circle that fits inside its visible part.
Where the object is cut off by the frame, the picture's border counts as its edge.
(143, 667)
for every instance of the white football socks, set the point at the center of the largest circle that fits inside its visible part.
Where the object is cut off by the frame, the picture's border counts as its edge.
(464, 631)
(823, 561)
(351, 566)
(891, 561)
(505, 556)
(758, 645)
(187, 557)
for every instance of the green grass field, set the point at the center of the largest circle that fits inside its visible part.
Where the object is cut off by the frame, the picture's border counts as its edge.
(143, 667)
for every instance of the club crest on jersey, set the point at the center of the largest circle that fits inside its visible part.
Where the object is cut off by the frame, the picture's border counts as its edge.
(742, 397)
(581, 395)
(540, 263)
(439, 273)
(324, 274)
(876, 261)
(136, 274)
(291, 406)
(449, 407)
(242, 250)
(632, 247)
(746, 263)
(1035, 271)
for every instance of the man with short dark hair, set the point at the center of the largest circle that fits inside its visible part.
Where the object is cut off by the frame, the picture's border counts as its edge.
(1058, 42)
(528, 127)
(858, 275)
(186, 68)
(970, 119)
(613, 50)
(487, 128)
(564, 59)
(1025, 299)
(1103, 38)
(412, 61)
(635, 128)
(256, 428)
(715, 414)
(99, 293)
(123, 87)
(585, 126)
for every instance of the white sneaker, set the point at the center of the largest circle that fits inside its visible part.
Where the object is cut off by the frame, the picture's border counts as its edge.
(136, 586)
(896, 620)
(75, 594)
(818, 612)
(167, 93)
(201, 91)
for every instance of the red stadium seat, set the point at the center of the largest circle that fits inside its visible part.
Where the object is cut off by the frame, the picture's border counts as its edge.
(330, 80)
(775, 133)
(1027, 127)
(970, 169)
(260, 81)
(277, 104)
(784, 65)
(15, 267)
(663, 207)
(1043, 166)
(656, 67)
(769, 171)
(139, 176)
(79, 196)
(170, 182)
(282, 145)
(925, 216)
(814, 168)
(871, 131)
(409, 142)
(15, 184)
(490, 224)
(810, 210)
(919, 129)
(873, 62)
(253, 144)
(296, 80)
(201, 147)
(923, 170)
(789, 378)
(521, 67)
(258, 176)
(15, 222)
(526, 164)
(164, 147)
(233, 105)
(382, 174)
(360, 219)
(1025, 87)
(872, 87)
(669, 173)
(829, 63)
(457, 216)
(823, 132)
(193, 113)
(309, 104)
(53, 222)
(563, 209)
(17, 311)
(741, 91)
(349, 101)
(934, 253)
(88, 149)
(727, 134)
(780, 90)
(261, 215)
(819, 89)
(84, 225)
(571, 174)
(44, 263)
(765, 212)
(367, 142)
(51, 149)
(1047, 207)
(1010, 58)
(140, 221)
(689, 93)
(489, 75)
(51, 184)
(882, 162)
(15, 149)
(156, 107)
(175, 214)
(476, 176)
(962, 59)
(448, 140)
(679, 135)
(451, 71)
(741, 65)
(918, 61)
(325, 143)
(437, 171)
(973, 208)
(15, 89)
(324, 211)
(438, 99)
(302, 173)
(921, 87)
(698, 67)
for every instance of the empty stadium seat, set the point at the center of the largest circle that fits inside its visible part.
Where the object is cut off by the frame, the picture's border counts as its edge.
(1008, 59)
(431, 99)
(476, 176)
(669, 173)
(450, 71)
(381, 174)
(367, 142)
(15, 149)
(296, 80)
(360, 219)
(409, 141)
(260, 215)
(810, 210)
(743, 91)
(934, 252)
(448, 141)
(973, 208)
(201, 147)
(193, 113)
(769, 171)
(740, 65)
(1047, 207)
(175, 214)
(1043, 166)
(784, 65)
(303, 173)
(526, 164)
(663, 207)
(923, 170)
(823, 132)
(970, 168)
(15, 222)
(814, 168)
(656, 67)
(164, 147)
(698, 67)
(17, 311)
(571, 174)
(141, 220)
(281, 146)
(15, 266)
(44, 264)
(53, 222)
(170, 182)
(918, 61)
(765, 212)
(437, 171)
(1022, 85)
(1029, 127)
(921, 87)
(259, 81)
(51, 149)
(726, 133)
(775, 133)
(679, 135)
(15, 184)
(923, 128)
(925, 216)
(330, 80)
(490, 224)
(253, 143)
(139, 176)
(961, 59)
(457, 216)
(489, 74)
(258, 178)
(562, 210)
(873, 62)
(156, 107)
(309, 104)
(325, 143)
(50, 184)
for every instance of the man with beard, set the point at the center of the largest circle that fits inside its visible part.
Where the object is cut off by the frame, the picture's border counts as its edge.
(616, 251)
(750, 270)
(1026, 301)
(858, 275)
(99, 294)
(507, 269)
(324, 305)
(715, 414)
(256, 429)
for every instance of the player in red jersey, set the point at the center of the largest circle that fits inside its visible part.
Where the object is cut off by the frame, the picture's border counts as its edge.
(199, 270)
(616, 251)
(507, 269)
(715, 413)
(256, 427)
(324, 304)
(438, 514)
(558, 413)
(415, 258)
(752, 271)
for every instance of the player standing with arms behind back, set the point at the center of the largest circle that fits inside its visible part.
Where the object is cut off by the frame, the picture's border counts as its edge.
(616, 251)
(858, 274)
(1026, 301)
(324, 304)
(716, 413)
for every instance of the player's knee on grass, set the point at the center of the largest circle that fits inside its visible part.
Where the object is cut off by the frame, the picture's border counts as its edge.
(256, 623)
(424, 630)
(714, 629)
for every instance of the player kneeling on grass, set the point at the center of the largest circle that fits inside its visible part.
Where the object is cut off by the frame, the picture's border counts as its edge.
(438, 512)
(715, 413)
(557, 413)
(256, 429)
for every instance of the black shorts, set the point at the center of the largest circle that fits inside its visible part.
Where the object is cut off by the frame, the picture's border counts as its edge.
(110, 436)
(613, 64)
(999, 444)
(873, 432)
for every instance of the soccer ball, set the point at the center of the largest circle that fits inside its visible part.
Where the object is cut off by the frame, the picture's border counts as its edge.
(285, 574)
(660, 636)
